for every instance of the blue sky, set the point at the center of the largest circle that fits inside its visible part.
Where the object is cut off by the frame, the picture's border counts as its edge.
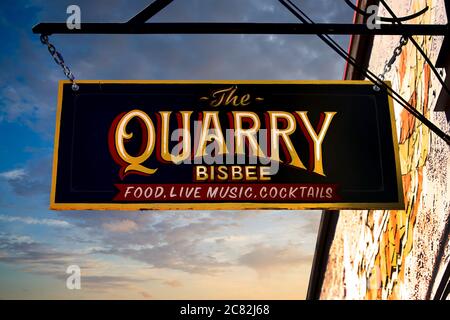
(150, 255)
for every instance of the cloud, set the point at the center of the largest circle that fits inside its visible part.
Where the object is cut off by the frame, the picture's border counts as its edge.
(310, 225)
(146, 295)
(34, 221)
(207, 243)
(31, 256)
(265, 258)
(15, 174)
(22, 250)
(168, 241)
(121, 226)
(33, 179)
(28, 90)
(104, 282)
(173, 283)
(10, 240)
(174, 247)
(164, 244)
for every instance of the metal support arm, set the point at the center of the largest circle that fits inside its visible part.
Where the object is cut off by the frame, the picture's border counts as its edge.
(241, 28)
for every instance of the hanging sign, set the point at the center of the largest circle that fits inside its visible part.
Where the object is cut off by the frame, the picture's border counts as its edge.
(225, 145)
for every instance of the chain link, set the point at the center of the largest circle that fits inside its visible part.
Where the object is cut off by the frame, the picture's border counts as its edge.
(57, 56)
(388, 66)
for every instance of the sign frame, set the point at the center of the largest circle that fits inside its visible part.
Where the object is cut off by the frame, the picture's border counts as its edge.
(399, 205)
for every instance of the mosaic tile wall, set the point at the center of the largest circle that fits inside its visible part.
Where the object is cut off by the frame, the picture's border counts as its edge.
(400, 254)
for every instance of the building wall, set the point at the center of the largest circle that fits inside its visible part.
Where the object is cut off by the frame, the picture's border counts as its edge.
(400, 254)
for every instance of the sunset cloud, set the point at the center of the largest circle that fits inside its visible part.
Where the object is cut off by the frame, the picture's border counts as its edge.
(266, 258)
(15, 174)
(34, 221)
(153, 254)
(121, 226)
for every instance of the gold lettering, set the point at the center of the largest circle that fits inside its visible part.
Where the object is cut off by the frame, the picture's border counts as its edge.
(205, 135)
(201, 173)
(317, 139)
(236, 173)
(249, 133)
(222, 173)
(186, 133)
(265, 173)
(228, 96)
(135, 163)
(276, 134)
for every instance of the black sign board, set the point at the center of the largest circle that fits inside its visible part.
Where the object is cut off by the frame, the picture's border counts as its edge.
(225, 145)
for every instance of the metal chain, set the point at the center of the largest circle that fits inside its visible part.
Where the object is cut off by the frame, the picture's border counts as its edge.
(57, 56)
(388, 66)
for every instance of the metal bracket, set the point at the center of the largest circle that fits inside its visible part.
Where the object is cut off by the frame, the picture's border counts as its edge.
(138, 25)
(241, 28)
(386, 19)
(150, 11)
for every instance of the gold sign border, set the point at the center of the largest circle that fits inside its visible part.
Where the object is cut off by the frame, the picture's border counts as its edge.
(400, 205)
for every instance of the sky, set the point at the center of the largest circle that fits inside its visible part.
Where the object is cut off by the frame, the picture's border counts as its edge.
(145, 255)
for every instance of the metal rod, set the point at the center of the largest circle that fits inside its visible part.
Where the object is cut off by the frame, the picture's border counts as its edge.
(444, 285)
(419, 48)
(152, 9)
(368, 74)
(387, 19)
(241, 28)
